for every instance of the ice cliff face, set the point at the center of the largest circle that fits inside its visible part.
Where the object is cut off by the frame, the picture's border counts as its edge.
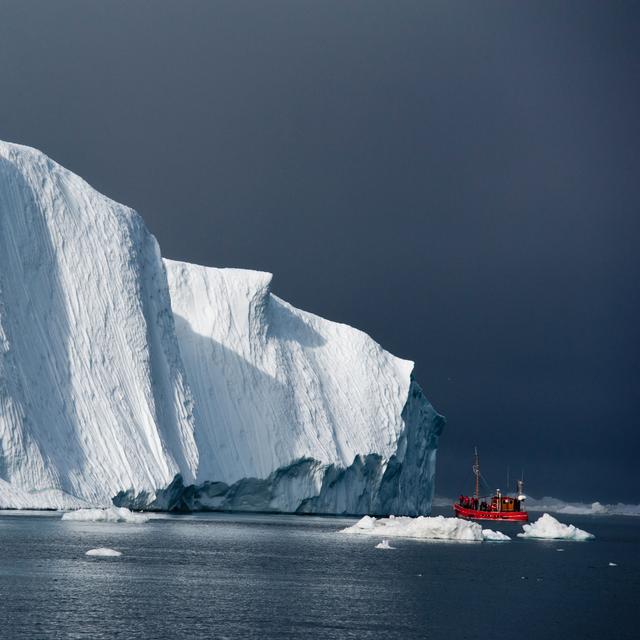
(203, 390)
(92, 391)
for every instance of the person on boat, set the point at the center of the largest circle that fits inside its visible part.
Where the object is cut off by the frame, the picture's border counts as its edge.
(461, 499)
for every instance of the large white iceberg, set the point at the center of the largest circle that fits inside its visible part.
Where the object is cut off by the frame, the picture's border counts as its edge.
(200, 391)
(548, 528)
(424, 528)
(111, 514)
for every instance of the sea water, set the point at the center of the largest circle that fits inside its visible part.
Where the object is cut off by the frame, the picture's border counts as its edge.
(276, 576)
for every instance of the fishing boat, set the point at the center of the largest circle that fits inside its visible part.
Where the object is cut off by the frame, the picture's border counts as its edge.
(495, 507)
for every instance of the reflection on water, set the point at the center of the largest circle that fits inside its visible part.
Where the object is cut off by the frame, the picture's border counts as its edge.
(267, 576)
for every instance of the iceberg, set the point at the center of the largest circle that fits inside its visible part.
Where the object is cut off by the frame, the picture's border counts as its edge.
(103, 552)
(495, 536)
(548, 528)
(150, 384)
(384, 545)
(111, 514)
(293, 412)
(425, 528)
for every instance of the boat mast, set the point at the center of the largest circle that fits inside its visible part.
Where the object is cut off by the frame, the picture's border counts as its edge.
(476, 471)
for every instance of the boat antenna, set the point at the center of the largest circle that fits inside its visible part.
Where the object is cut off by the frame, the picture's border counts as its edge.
(476, 472)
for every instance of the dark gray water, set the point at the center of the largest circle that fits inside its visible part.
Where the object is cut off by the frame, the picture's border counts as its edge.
(254, 576)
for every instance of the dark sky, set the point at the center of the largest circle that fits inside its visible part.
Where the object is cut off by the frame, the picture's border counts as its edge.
(458, 179)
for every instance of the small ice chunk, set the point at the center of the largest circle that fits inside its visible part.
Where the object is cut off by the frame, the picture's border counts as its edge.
(111, 514)
(494, 536)
(559, 549)
(548, 528)
(103, 552)
(613, 564)
(384, 545)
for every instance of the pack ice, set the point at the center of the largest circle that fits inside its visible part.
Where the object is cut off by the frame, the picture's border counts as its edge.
(163, 385)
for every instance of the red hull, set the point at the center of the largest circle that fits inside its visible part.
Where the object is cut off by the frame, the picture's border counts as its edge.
(473, 514)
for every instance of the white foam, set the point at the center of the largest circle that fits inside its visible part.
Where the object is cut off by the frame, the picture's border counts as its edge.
(424, 528)
(103, 552)
(548, 528)
(111, 514)
(384, 545)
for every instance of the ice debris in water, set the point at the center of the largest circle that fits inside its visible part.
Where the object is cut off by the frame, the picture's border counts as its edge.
(384, 545)
(494, 536)
(548, 528)
(111, 514)
(424, 528)
(103, 552)
(613, 564)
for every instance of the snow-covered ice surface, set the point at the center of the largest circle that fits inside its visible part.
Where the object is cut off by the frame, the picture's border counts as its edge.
(546, 527)
(425, 528)
(556, 505)
(103, 552)
(110, 514)
(233, 399)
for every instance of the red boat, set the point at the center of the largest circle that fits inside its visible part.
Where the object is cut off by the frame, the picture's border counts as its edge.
(497, 507)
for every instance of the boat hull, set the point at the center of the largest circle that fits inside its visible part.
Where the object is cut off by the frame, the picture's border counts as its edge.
(473, 514)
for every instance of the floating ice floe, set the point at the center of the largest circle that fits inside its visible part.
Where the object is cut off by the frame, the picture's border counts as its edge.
(494, 536)
(613, 564)
(548, 528)
(103, 552)
(111, 514)
(384, 545)
(424, 528)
